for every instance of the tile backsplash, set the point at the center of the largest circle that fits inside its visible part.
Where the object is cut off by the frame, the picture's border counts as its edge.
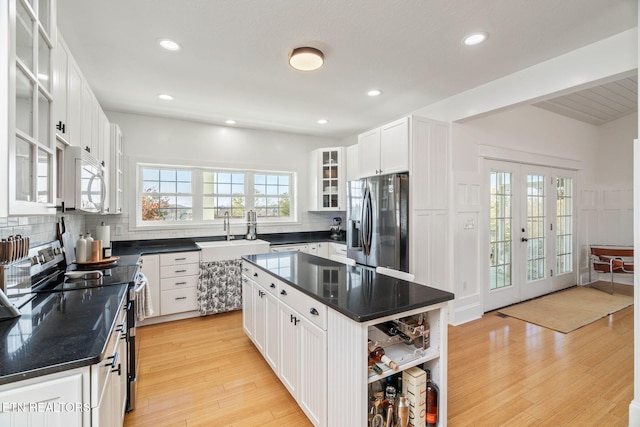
(40, 229)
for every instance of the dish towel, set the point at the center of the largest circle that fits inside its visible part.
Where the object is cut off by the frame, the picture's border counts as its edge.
(144, 307)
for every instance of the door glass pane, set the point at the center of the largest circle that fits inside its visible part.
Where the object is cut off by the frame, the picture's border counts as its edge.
(44, 62)
(501, 219)
(564, 221)
(44, 16)
(24, 103)
(535, 227)
(44, 169)
(24, 36)
(24, 170)
(44, 125)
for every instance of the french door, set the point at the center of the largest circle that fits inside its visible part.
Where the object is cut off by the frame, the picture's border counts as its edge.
(531, 239)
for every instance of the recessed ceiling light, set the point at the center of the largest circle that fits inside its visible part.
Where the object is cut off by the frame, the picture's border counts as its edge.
(306, 58)
(374, 92)
(169, 44)
(323, 121)
(475, 38)
(165, 97)
(230, 122)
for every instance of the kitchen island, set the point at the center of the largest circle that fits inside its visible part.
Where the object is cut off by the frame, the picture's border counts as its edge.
(312, 318)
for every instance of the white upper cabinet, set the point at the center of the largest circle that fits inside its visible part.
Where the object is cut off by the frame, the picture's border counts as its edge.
(27, 33)
(385, 149)
(327, 179)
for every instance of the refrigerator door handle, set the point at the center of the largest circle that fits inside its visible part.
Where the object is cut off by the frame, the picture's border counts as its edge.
(366, 223)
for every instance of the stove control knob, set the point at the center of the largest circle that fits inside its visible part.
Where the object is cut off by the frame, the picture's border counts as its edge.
(33, 260)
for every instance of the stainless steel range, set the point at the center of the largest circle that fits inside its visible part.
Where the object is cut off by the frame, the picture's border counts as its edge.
(41, 278)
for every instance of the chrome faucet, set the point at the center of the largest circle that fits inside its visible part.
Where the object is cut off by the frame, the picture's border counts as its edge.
(227, 226)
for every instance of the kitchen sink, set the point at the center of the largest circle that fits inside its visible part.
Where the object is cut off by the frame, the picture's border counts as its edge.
(220, 250)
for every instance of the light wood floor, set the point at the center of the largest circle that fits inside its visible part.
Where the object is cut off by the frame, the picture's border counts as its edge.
(502, 371)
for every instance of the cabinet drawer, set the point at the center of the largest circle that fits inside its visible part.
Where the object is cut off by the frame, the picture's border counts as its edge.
(177, 258)
(340, 249)
(178, 300)
(178, 282)
(100, 371)
(179, 270)
(313, 310)
(262, 278)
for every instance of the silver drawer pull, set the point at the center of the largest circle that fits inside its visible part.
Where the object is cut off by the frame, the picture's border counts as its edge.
(314, 311)
(180, 271)
(177, 298)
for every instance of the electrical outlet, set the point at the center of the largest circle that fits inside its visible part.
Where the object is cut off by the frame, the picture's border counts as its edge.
(118, 231)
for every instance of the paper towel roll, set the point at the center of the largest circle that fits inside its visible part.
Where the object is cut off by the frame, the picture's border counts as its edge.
(103, 232)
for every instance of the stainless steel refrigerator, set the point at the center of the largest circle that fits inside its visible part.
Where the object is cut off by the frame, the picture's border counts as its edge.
(378, 221)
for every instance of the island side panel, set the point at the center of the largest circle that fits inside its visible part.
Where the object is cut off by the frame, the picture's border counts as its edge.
(347, 371)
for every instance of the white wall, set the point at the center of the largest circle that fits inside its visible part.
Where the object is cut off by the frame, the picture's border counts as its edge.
(179, 142)
(527, 134)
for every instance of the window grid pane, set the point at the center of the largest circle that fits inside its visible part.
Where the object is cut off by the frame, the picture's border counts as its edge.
(500, 227)
(536, 228)
(564, 221)
(166, 195)
(272, 195)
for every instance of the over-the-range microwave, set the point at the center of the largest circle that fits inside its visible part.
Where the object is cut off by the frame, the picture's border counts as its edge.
(85, 188)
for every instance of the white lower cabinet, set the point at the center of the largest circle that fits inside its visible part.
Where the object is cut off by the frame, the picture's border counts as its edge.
(178, 280)
(109, 379)
(55, 400)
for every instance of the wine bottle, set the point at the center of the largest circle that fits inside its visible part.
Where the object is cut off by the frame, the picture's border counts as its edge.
(377, 354)
(431, 416)
(391, 329)
(372, 364)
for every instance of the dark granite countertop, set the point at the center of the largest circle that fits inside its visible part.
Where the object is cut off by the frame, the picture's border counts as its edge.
(359, 292)
(156, 246)
(58, 331)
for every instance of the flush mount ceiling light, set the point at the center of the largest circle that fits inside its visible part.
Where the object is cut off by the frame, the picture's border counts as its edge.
(323, 121)
(230, 122)
(169, 44)
(475, 38)
(306, 58)
(374, 92)
(165, 97)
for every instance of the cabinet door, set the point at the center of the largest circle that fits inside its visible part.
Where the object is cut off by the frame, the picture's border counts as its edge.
(74, 105)
(289, 349)
(394, 147)
(369, 153)
(151, 268)
(322, 250)
(259, 314)
(59, 391)
(247, 307)
(272, 343)
(60, 88)
(312, 391)
(120, 383)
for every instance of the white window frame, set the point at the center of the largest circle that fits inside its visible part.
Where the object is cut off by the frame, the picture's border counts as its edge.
(197, 194)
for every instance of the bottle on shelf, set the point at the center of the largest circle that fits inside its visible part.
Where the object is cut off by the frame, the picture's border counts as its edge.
(375, 368)
(378, 355)
(389, 406)
(403, 412)
(431, 416)
(391, 329)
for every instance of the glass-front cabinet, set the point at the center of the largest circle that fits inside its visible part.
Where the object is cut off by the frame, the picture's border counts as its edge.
(327, 178)
(32, 151)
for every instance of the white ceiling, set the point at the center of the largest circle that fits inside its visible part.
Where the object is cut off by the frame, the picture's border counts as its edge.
(233, 64)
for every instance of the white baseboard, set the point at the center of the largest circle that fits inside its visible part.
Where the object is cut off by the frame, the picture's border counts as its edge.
(466, 314)
(634, 413)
